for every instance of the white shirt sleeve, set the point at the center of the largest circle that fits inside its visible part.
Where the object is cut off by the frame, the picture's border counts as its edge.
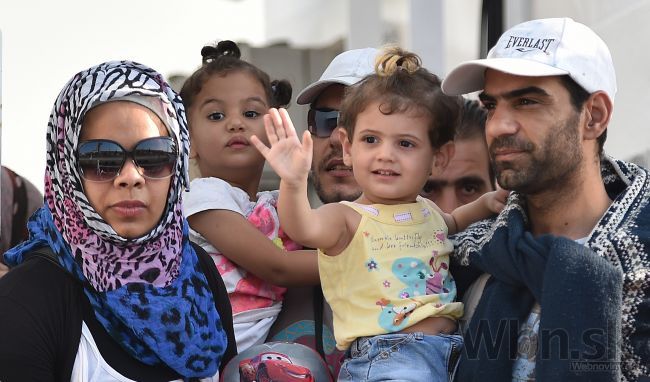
(213, 194)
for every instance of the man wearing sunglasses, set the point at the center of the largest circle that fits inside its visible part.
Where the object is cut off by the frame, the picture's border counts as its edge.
(333, 180)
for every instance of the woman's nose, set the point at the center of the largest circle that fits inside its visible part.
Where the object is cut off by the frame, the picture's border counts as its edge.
(130, 175)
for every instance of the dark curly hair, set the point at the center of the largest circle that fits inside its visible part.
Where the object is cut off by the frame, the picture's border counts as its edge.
(225, 58)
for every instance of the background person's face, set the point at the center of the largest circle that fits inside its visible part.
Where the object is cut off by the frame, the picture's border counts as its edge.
(332, 179)
(130, 203)
(464, 179)
(533, 132)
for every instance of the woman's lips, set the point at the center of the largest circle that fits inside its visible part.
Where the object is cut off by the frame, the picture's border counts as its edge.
(129, 208)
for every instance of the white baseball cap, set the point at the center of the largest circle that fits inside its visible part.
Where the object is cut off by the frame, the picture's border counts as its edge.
(545, 47)
(347, 69)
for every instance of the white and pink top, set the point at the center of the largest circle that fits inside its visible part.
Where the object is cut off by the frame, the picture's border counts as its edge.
(255, 303)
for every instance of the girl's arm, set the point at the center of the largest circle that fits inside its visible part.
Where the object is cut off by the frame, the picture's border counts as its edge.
(322, 228)
(485, 206)
(238, 240)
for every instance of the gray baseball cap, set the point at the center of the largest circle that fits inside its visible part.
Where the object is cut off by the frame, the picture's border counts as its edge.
(347, 69)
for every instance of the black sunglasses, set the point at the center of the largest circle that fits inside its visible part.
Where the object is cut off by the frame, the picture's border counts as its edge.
(322, 122)
(100, 160)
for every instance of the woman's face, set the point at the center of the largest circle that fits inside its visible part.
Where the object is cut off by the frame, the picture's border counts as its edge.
(131, 203)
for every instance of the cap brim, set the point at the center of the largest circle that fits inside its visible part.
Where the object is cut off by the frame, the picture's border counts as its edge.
(470, 76)
(311, 92)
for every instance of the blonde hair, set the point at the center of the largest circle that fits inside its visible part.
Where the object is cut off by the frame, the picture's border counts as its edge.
(395, 58)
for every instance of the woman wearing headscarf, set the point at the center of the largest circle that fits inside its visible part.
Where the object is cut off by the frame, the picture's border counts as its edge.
(108, 287)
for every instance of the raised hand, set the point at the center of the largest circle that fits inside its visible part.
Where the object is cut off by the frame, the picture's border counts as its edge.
(289, 158)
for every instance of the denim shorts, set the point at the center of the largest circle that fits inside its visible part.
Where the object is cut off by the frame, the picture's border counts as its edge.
(402, 357)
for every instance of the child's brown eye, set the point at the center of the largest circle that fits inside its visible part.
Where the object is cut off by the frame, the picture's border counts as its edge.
(216, 116)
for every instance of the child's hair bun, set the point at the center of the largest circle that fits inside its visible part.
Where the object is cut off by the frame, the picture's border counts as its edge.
(281, 91)
(223, 48)
(394, 58)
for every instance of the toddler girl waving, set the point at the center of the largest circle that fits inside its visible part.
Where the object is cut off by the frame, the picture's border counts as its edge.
(384, 258)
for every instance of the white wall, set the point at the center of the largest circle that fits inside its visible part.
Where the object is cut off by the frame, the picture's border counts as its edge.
(46, 41)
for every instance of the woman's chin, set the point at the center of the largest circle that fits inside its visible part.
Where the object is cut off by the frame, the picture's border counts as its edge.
(131, 232)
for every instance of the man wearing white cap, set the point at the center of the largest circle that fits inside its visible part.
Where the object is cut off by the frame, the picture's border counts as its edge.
(332, 179)
(569, 296)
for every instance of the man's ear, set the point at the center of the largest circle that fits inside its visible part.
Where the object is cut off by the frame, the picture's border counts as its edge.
(598, 110)
(444, 154)
(346, 145)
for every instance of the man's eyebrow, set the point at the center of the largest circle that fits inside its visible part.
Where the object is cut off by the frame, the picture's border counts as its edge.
(435, 182)
(483, 96)
(470, 179)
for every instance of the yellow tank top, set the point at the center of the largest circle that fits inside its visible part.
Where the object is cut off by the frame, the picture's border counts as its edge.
(393, 274)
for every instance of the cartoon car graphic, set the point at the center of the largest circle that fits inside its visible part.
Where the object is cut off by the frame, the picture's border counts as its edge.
(272, 367)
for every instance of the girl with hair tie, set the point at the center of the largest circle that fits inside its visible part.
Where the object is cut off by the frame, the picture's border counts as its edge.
(238, 225)
(384, 258)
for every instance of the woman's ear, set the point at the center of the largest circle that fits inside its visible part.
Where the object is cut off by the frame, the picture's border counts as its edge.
(346, 145)
(193, 153)
(598, 111)
(444, 154)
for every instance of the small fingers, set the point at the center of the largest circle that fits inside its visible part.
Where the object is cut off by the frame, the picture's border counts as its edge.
(270, 129)
(499, 206)
(307, 144)
(502, 194)
(280, 129)
(289, 129)
(260, 146)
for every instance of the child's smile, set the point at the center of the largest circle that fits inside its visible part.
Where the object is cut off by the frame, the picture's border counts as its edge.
(390, 154)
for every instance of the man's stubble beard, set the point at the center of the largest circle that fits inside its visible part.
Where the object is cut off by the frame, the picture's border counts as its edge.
(554, 167)
(335, 195)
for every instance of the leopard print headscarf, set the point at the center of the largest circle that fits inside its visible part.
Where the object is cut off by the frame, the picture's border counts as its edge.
(109, 260)
(147, 292)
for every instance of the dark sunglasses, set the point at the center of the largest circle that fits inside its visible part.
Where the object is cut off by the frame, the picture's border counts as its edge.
(101, 160)
(322, 122)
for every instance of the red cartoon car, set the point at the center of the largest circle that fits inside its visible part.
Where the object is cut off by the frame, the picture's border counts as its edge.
(272, 367)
